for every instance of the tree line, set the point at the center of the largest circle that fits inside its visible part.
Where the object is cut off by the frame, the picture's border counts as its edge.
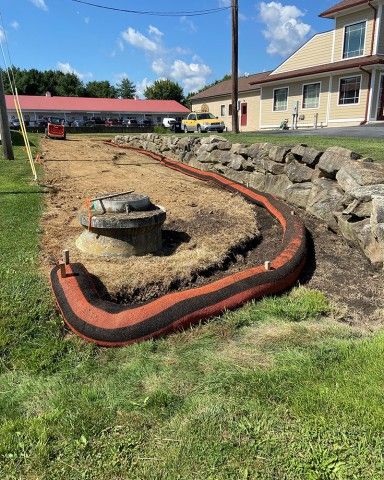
(59, 84)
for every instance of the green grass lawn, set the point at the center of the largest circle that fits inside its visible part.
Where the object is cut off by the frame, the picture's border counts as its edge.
(276, 390)
(368, 147)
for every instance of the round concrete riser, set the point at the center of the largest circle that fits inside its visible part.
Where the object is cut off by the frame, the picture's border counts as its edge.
(104, 243)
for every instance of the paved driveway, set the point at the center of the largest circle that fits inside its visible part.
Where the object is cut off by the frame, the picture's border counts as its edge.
(368, 131)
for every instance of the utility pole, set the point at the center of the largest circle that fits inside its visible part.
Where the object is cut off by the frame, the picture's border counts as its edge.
(235, 65)
(4, 124)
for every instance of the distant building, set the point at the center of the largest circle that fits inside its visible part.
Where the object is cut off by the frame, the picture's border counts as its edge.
(81, 108)
(335, 79)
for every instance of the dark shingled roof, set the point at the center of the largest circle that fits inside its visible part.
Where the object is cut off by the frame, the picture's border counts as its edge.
(225, 87)
(328, 67)
(342, 6)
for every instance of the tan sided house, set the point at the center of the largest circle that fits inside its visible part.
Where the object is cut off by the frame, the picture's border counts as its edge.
(334, 79)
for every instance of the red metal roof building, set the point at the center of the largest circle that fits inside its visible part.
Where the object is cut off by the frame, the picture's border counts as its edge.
(80, 107)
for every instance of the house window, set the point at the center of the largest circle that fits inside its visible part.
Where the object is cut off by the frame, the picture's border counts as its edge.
(311, 95)
(222, 110)
(280, 99)
(349, 90)
(230, 109)
(354, 40)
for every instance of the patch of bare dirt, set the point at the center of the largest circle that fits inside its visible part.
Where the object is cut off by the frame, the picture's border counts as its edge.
(205, 225)
(208, 234)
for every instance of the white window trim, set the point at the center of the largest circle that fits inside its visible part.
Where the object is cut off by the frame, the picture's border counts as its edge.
(361, 87)
(365, 38)
(302, 96)
(378, 27)
(273, 99)
(222, 107)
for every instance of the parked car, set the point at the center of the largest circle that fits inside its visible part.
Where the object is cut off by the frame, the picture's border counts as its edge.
(112, 122)
(130, 122)
(202, 122)
(147, 122)
(14, 123)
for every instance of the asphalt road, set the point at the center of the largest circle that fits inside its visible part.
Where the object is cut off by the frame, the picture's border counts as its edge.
(368, 131)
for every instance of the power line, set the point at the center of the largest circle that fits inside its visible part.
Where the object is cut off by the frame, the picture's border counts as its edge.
(192, 13)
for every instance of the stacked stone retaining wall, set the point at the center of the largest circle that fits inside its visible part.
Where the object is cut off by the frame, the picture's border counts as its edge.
(337, 186)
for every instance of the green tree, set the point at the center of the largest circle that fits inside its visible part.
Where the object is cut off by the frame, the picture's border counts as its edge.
(164, 90)
(35, 82)
(126, 89)
(100, 89)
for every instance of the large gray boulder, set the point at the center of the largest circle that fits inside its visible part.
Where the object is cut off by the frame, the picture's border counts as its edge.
(257, 149)
(265, 165)
(377, 216)
(360, 233)
(240, 149)
(366, 193)
(358, 208)
(305, 154)
(298, 173)
(256, 180)
(224, 145)
(333, 159)
(359, 174)
(277, 153)
(298, 194)
(238, 176)
(324, 200)
(277, 184)
(237, 162)
(215, 156)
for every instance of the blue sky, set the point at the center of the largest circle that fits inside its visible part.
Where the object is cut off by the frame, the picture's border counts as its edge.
(98, 44)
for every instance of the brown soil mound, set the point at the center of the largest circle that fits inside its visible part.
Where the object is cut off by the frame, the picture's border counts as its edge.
(205, 225)
(209, 232)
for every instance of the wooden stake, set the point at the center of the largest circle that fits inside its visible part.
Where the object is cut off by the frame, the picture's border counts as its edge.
(267, 265)
(66, 257)
(62, 270)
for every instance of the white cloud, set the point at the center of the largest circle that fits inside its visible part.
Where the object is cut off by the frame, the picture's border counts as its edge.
(188, 24)
(2, 35)
(67, 68)
(137, 39)
(141, 86)
(15, 25)
(120, 76)
(182, 51)
(155, 31)
(40, 4)
(284, 29)
(87, 20)
(225, 3)
(159, 66)
(192, 75)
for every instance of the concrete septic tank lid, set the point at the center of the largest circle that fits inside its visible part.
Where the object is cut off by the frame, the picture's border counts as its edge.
(121, 225)
(120, 221)
(119, 203)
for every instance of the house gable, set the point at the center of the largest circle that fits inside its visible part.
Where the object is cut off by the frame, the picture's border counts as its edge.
(317, 51)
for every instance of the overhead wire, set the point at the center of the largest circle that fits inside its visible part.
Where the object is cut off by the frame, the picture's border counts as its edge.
(13, 86)
(191, 13)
